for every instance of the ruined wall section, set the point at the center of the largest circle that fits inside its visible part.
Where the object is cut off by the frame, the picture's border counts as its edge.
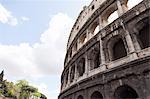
(84, 15)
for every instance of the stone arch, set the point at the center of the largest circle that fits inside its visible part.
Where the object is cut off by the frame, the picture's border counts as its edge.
(94, 28)
(80, 97)
(94, 57)
(75, 48)
(125, 92)
(81, 67)
(72, 73)
(105, 15)
(83, 38)
(119, 50)
(96, 95)
(70, 53)
(143, 35)
(116, 48)
(66, 77)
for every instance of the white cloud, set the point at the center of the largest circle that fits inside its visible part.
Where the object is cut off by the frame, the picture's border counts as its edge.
(6, 17)
(32, 62)
(25, 18)
(43, 58)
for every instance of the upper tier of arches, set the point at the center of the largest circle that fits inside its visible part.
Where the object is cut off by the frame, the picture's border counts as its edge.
(108, 13)
(103, 14)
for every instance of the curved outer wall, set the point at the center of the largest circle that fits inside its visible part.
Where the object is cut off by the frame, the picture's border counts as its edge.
(113, 60)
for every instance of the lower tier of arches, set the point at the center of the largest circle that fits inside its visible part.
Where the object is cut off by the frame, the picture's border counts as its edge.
(129, 81)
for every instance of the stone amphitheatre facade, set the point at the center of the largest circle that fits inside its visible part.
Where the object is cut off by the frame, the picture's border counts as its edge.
(108, 60)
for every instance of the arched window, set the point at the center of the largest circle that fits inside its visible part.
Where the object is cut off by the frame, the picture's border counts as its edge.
(109, 15)
(83, 39)
(94, 57)
(96, 95)
(66, 76)
(72, 73)
(112, 17)
(144, 36)
(125, 92)
(118, 50)
(94, 29)
(80, 97)
(81, 67)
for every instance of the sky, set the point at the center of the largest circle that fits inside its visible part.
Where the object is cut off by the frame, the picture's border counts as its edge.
(33, 39)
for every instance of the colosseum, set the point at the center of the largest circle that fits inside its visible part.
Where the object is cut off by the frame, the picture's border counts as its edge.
(108, 59)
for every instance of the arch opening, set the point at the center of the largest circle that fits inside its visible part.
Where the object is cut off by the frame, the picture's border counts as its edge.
(83, 39)
(81, 67)
(80, 97)
(66, 77)
(74, 49)
(72, 73)
(113, 16)
(94, 58)
(96, 95)
(144, 36)
(118, 50)
(110, 14)
(94, 28)
(125, 92)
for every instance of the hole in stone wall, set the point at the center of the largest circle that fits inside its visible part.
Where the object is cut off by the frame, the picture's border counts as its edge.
(92, 7)
(94, 58)
(83, 39)
(125, 92)
(70, 54)
(96, 95)
(72, 73)
(74, 48)
(66, 76)
(112, 17)
(94, 29)
(119, 50)
(81, 67)
(80, 97)
(144, 36)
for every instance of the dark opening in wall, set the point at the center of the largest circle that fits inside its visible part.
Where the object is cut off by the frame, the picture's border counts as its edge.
(92, 7)
(94, 58)
(81, 67)
(77, 27)
(70, 54)
(66, 75)
(125, 92)
(144, 36)
(80, 97)
(83, 39)
(119, 50)
(75, 47)
(94, 29)
(97, 60)
(96, 95)
(72, 73)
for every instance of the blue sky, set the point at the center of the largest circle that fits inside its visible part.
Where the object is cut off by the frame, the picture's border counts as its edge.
(39, 13)
(33, 37)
